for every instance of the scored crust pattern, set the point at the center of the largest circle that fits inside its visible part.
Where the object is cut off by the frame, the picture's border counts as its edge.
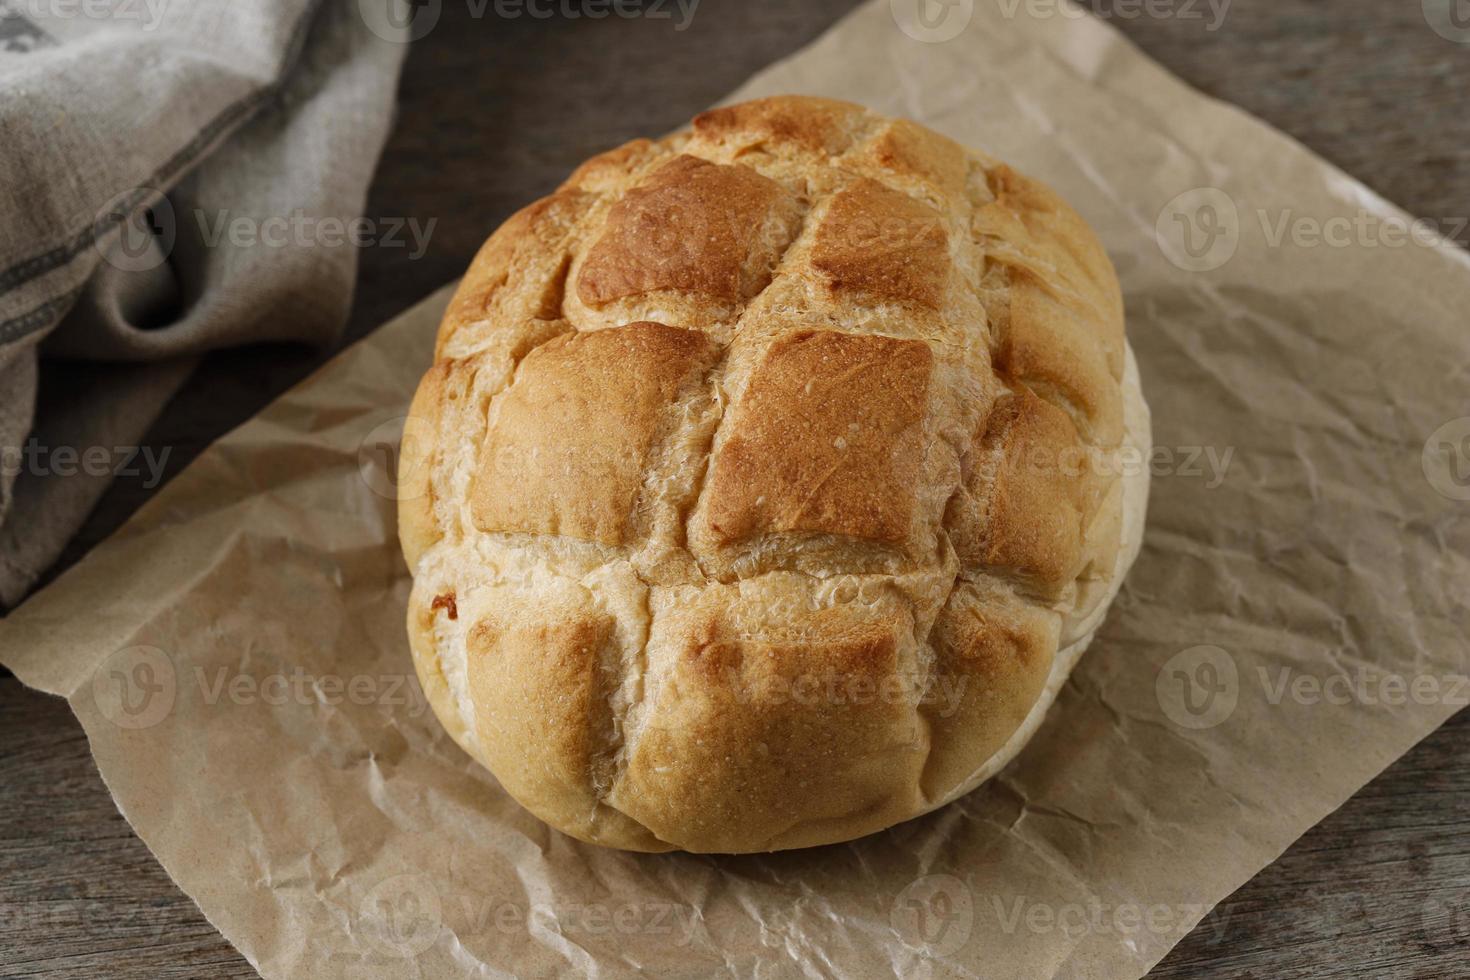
(759, 478)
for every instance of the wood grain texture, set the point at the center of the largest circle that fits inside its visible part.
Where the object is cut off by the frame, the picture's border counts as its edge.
(1381, 888)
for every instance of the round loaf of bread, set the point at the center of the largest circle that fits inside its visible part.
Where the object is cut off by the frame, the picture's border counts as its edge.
(769, 480)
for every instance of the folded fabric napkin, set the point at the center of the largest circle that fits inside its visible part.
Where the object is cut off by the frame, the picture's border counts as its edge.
(174, 178)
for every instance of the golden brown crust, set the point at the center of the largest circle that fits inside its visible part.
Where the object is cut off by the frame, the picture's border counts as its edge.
(417, 529)
(815, 125)
(827, 439)
(541, 702)
(906, 149)
(1028, 226)
(541, 696)
(1027, 503)
(763, 490)
(520, 271)
(606, 171)
(1046, 341)
(763, 726)
(883, 245)
(992, 657)
(1057, 237)
(692, 226)
(570, 439)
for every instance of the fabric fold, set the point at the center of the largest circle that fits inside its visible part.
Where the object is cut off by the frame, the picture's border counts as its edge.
(173, 180)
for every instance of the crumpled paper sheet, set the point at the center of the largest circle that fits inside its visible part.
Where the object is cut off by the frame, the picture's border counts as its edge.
(237, 652)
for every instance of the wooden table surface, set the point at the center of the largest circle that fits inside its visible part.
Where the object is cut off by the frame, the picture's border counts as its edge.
(493, 111)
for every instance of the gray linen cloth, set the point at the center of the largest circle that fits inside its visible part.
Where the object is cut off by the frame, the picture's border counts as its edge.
(175, 177)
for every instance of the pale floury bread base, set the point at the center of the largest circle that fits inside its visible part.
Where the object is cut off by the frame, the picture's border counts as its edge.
(1138, 442)
(766, 486)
